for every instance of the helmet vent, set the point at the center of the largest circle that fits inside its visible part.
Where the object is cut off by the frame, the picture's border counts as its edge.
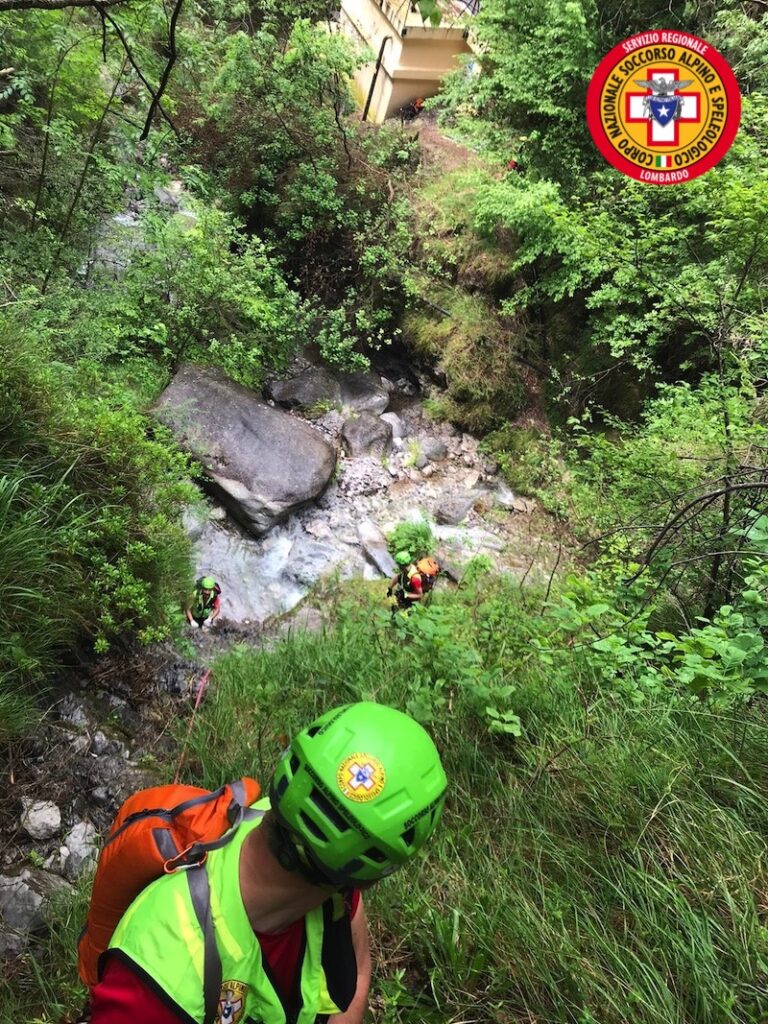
(408, 835)
(294, 764)
(313, 827)
(375, 854)
(326, 807)
(352, 867)
(281, 788)
(313, 730)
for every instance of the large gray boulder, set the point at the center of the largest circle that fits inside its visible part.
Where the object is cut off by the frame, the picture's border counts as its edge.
(363, 392)
(313, 386)
(454, 508)
(260, 462)
(366, 434)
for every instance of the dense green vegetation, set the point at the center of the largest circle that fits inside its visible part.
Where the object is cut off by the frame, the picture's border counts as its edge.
(604, 854)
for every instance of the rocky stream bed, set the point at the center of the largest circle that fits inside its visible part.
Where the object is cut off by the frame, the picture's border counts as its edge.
(301, 482)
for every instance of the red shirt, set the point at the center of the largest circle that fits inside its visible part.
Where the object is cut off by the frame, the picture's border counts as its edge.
(416, 584)
(122, 997)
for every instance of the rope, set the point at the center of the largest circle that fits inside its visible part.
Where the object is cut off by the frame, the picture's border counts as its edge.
(200, 691)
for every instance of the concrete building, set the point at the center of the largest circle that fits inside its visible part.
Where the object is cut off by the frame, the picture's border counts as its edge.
(410, 56)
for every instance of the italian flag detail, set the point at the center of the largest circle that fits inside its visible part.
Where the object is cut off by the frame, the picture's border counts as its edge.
(662, 161)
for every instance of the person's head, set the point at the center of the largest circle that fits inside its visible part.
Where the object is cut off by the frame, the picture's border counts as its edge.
(418, 103)
(356, 795)
(403, 558)
(207, 584)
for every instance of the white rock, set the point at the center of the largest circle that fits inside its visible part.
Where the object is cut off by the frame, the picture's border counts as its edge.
(80, 843)
(41, 819)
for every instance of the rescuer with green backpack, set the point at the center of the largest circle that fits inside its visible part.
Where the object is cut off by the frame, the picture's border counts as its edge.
(266, 924)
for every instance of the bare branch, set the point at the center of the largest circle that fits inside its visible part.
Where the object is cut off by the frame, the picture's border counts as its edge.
(172, 55)
(99, 5)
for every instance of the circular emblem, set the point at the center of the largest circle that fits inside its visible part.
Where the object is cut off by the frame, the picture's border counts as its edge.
(663, 107)
(361, 777)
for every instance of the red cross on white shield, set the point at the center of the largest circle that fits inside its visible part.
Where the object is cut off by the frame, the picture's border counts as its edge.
(666, 135)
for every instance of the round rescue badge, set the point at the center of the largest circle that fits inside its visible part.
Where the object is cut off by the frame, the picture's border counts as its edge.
(361, 777)
(663, 107)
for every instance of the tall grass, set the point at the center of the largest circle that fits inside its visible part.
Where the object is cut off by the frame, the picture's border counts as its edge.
(38, 606)
(610, 866)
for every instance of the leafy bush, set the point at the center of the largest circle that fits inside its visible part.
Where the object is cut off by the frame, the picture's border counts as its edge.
(415, 537)
(92, 511)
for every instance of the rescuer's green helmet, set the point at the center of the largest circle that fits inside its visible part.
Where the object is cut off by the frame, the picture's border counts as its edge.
(403, 557)
(359, 791)
(208, 583)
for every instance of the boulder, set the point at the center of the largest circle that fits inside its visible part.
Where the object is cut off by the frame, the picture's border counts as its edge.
(366, 434)
(433, 448)
(23, 900)
(374, 544)
(453, 509)
(398, 427)
(260, 462)
(310, 387)
(41, 819)
(363, 392)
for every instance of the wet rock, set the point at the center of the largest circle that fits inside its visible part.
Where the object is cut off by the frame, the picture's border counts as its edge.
(366, 434)
(193, 521)
(307, 561)
(261, 463)
(41, 819)
(453, 509)
(374, 544)
(363, 392)
(82, 852)
(434, 449)
(398, 427)
(312, 386)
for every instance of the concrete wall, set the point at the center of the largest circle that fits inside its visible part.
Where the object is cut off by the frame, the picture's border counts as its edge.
(412, 64)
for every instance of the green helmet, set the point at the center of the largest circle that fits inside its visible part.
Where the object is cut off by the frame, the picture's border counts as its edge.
(403, 557)
(208, 583)
(360, 790)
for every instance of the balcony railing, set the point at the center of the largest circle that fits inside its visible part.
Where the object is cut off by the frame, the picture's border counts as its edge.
(405, 14)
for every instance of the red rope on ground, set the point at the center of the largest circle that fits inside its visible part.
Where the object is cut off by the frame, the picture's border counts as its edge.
(200, 691)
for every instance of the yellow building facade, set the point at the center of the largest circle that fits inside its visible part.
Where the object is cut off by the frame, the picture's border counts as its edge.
(409, 56)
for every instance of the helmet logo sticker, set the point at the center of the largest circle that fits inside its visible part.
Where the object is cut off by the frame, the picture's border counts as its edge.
(361, 777)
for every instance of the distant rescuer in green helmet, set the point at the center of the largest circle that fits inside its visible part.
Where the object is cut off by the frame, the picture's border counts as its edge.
(279, 935)
(206, 602)
(413, 581)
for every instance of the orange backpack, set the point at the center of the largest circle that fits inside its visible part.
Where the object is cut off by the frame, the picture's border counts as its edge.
(156, 831)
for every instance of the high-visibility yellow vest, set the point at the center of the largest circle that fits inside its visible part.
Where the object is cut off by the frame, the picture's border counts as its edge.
(189, 933)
